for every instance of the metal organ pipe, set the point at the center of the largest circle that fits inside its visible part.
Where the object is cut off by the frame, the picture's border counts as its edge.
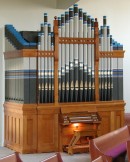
(76, 71)
(76, 62)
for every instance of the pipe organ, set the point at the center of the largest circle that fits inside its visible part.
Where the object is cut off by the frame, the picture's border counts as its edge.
(73, 68)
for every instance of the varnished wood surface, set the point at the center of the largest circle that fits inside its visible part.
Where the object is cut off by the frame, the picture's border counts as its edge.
(112, 54)
(33, 128)
(21, 53)
(20, 127)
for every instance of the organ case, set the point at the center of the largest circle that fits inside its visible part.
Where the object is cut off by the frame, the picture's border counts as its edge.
(43, 118)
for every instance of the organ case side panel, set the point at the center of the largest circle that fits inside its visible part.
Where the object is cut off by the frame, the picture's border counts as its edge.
(20, 127)
(47, 129)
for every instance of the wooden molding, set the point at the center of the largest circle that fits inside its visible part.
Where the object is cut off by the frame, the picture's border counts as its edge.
(112, 54)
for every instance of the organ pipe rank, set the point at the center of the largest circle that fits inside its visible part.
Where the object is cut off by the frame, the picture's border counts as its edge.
(31, 79)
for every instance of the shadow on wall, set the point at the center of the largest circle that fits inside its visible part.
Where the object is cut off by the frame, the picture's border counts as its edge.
(28, 3)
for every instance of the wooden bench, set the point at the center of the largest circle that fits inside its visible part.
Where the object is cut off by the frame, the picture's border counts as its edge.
(127, 119)
(14, 157)
(128, 150)
(111, 146)
(99, 159)
(54, 158)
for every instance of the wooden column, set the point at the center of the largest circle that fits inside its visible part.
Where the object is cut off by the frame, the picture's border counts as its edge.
(56, 53)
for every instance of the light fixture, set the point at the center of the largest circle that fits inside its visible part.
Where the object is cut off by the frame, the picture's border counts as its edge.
(76, 125)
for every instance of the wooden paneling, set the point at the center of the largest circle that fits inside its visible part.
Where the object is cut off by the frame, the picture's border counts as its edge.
(105, 123)
(47, 129)
(20, 127)
(36, 128)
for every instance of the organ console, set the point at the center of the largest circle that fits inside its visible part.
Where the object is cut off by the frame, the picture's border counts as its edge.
(85, 125)
(70, 75)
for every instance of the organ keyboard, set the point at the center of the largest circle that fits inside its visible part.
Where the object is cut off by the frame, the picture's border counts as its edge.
(80, 117)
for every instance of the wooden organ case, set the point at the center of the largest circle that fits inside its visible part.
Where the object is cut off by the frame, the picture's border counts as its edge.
(35, 126)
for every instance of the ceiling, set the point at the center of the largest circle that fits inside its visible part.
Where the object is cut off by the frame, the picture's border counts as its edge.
(64, 4)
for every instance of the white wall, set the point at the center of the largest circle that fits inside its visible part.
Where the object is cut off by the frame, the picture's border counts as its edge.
(28, 14)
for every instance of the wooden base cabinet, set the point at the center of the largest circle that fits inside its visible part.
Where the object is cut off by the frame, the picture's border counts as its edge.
(112, 115)
(47, 129)
(20, 127)
(31, 128)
